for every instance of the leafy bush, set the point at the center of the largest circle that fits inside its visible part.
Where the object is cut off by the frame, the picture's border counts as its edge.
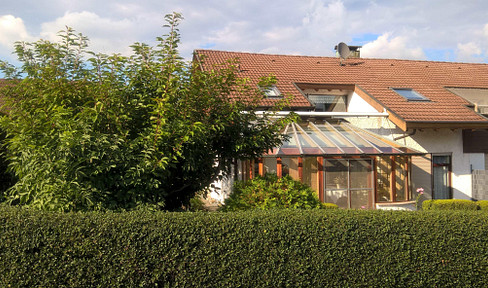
(271, 192)
(449, 204)
(482, 204)
(277, 248)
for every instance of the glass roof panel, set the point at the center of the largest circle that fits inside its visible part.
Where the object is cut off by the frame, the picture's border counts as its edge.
(320, 139)
(342, 142)
(308, 145)
(324, 139)
(289, 147)
(316, 135)
(384, 145)
(356, 139)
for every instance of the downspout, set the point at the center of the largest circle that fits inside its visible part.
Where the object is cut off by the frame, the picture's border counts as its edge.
(405, 135)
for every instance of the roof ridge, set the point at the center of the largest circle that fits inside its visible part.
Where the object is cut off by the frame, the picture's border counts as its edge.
(333, 57)
(264, 54)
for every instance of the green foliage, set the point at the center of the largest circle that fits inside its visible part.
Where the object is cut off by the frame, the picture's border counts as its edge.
(89, 131)
(449, 204)
(482, 204)
(278, 248)
(197, 204)
(6, 178)
(271, 192)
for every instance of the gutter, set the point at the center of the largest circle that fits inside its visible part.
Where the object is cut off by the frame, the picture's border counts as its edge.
(405, 135)
(326, 114)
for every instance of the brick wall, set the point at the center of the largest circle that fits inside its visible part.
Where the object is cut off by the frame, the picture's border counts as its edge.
(480, 184)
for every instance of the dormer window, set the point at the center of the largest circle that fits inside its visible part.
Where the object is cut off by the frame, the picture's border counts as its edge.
(478, 97)
(410, 94)
(328, 103)
(271, 92)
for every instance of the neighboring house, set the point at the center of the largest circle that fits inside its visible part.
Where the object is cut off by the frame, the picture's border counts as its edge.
(374, 130)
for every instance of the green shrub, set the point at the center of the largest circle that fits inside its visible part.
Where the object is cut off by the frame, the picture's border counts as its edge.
(271, 192)
(196, 204)
(277, 248)
(449, 204)
(482, 204)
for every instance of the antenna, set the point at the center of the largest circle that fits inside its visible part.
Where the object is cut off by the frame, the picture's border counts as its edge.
(344, 51)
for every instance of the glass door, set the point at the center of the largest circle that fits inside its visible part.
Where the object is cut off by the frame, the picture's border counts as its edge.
(337, 182)
(360, 187)
(349, 183)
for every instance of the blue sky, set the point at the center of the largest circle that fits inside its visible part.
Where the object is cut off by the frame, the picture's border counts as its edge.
(416, 29)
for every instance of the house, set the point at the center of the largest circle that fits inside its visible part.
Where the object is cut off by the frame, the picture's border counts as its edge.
(374, 130)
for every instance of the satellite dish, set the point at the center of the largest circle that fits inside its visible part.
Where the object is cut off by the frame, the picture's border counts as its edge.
(343, 50)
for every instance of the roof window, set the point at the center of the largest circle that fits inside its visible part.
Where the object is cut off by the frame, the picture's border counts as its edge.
(410, 94)
(271, 91)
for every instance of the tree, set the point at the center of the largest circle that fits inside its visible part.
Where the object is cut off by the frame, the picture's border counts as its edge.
(91, 131)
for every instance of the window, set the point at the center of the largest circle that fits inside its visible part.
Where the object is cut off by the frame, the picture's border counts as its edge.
(328, 103)
(442, 176)
(271, 91)
(392, 185)
(410, 94)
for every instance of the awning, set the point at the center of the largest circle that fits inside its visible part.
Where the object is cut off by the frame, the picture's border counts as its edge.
(335, 139)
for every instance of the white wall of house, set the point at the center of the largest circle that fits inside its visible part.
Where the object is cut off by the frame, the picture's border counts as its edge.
(477, 161)
(434, 141)
(357, 104)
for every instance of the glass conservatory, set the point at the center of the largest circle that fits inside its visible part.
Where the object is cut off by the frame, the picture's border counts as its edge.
(346, 165)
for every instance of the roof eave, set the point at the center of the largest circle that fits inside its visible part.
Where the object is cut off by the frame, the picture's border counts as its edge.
(446, 125)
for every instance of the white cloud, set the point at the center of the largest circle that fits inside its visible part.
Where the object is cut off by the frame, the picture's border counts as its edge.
(12, 29)
(469, 52)
(322, 18)
(323, 25)
(310, 27)
(475, 50)
(281, 34)
(231, 35)
(106, 35)
(397, 47)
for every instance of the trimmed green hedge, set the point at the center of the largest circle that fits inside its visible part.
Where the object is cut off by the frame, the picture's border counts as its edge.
(284, 248)
(449, 204)
(328, 206)
(483, 204)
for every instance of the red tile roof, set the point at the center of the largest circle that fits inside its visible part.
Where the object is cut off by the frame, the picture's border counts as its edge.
(375, 77)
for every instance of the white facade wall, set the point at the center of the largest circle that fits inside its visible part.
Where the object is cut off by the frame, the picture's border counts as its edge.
(434, 141)
(357, 104)
(477, 161)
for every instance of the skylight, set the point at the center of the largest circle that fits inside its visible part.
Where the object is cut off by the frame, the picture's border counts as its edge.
(410, 94)
(271, 91)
